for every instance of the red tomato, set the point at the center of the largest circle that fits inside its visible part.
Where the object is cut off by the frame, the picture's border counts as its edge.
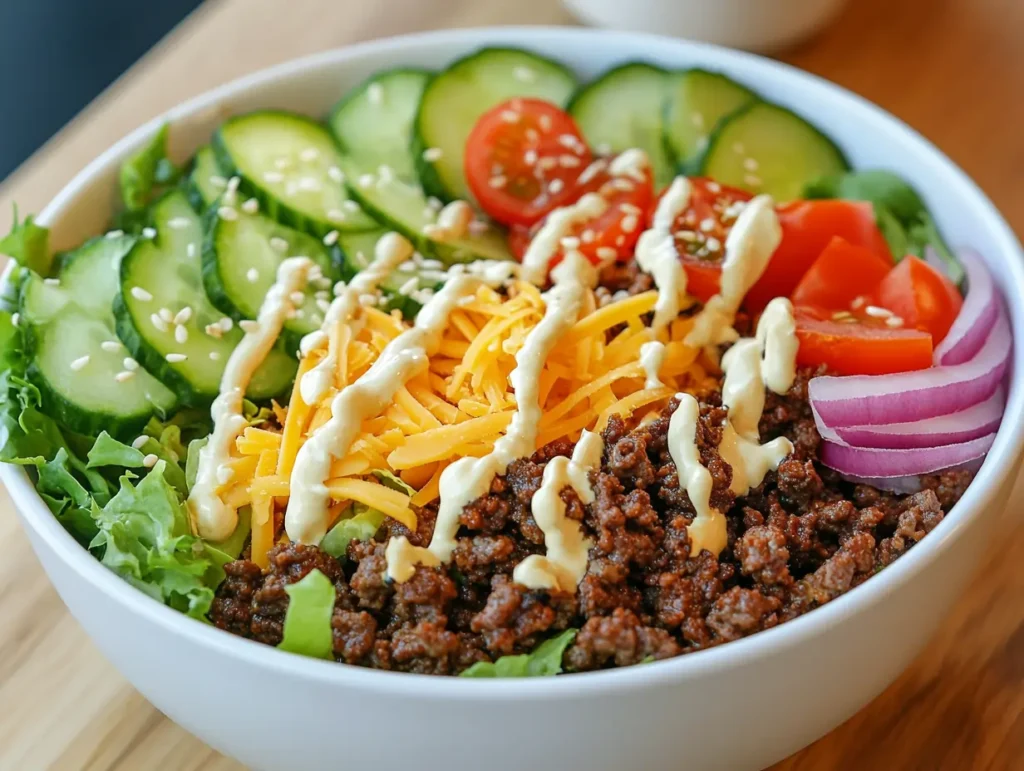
(807, 228)
(920, 295)
(523, 159)
(611, 235)
(841, 274)
(860, 345)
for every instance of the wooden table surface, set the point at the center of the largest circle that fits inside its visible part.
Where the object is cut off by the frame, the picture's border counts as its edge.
(954, 69)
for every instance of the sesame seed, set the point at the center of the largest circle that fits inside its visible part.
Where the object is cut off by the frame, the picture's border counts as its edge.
(227, 213)
(367, 299)
(158, 322)
(248, 326)
(707, 224)
(545, 122)
(178, 223)
(509, 116)
(713, 244)
(570, 242)
(588, 236)
(686, 235)
(894, 322)
(432, 154)
(606, 253)
(226, 324)
(547, 163)
(140, 294)
(331, 238)
(310, 184)
(273, 177)
(622, 184)
(251, 206)
(556, 186)
(51, 281)
(750, 164)
(149, 232)
(858, 302)
(124, 376)
(115, 234)
(182, 316)
(530, 157)
(569, 161)
(629, 223)
(752, 180)
(335, 174)
(532, 135)
(366, 180)
(214, 330)
(130, 364)
(603, 148)
(431, 264)
(524, 74)
(738, 148)
(214, 355)
(279, 244)
(629, 208)
(498, 182)
(150, 460)
(139, 441)
(714, 187)
(350, 206)
(190, 250)
(180, 335)
(409, 286)
(297, 298)
(336, 215)
(15, 319)
(840, 315)
(282, 163)
(591, 171)
(218, 181)
(323, 305)
(375, 93)
(252, 275)
(176, 358)
(111, 346)
(878, 313)
(309, 154)
(166, 315)
(80, 362)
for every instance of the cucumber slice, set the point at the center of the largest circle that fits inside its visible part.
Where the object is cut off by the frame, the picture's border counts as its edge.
(454, 100)
(240, 262)
(765, 148)
(625, 108)
(206, 182)
(405, 208)
(697, 100)
(374, 122)
(285, 161)
(400, 286)
(66, 322)
(168, 270)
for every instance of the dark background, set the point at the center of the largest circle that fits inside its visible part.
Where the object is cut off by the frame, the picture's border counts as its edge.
(57, 55)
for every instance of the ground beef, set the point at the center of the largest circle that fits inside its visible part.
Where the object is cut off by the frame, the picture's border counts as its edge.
(795, 542)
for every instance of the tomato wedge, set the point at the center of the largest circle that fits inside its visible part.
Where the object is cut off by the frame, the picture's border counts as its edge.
(612, 235)
(859, 346)
(842, 273)
(523, 158)
(920, 295)
(807, 228)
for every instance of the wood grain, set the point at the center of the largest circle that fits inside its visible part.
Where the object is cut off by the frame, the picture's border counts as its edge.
(953, 69)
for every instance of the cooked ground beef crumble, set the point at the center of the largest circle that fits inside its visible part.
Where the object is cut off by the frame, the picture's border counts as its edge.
(800, 539)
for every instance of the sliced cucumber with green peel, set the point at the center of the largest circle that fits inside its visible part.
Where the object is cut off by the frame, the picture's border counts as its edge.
(765, 148)
(374, 121)
(697, 101)
(290, 164)
(206, 181)
(625, 109)
(241, 257)
(164, 276)
(76, 359)
(454, 100)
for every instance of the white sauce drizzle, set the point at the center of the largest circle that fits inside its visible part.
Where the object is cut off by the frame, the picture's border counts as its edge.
(749, 246)
(391, 250)
(401, 360)
(215, 520)
(630, 163)
(558, 225)
(656, 254)
(452, 222)
(746, 374)
(468, 478)
(565, 563)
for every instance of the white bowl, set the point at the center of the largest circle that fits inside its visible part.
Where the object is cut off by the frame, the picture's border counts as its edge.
(781, 689)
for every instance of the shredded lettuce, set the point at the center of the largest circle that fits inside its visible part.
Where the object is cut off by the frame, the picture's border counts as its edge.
(148, 169)
(28, 244)
(192, 460)
(361, 526)
(390, 480)
(107, 451)
(144, 537)
(545, 660)
(307, 622)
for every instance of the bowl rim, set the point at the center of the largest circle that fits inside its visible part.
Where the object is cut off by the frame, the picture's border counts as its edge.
(994, 474)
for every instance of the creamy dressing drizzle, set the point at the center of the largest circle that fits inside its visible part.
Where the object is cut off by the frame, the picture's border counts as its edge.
(214, 519)
(656, 254)
(391, 250)
(753, 239)
(468, 478)
(565, 563)
(749, 365)
(558, 225)
(401, 360)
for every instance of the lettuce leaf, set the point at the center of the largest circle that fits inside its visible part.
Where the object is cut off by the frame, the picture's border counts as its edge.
(192, 460)
(544, 661)
(395, 483)
(144, 537)
(307, 622)
(107, 451)
(28, 244)
(145, 171)
(361, 526)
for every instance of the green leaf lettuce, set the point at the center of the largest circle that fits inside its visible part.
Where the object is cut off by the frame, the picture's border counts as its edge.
(545, 660)
(307, 622)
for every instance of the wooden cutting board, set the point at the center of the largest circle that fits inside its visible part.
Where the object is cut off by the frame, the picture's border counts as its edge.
(953, 69)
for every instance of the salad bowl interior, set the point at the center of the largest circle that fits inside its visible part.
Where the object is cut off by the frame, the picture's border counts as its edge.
(225, 689)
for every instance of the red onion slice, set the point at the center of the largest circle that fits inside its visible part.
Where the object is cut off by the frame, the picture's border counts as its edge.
(868, 462)
(909, 484)
(903, 397)
(971, 327)
(979, 420)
